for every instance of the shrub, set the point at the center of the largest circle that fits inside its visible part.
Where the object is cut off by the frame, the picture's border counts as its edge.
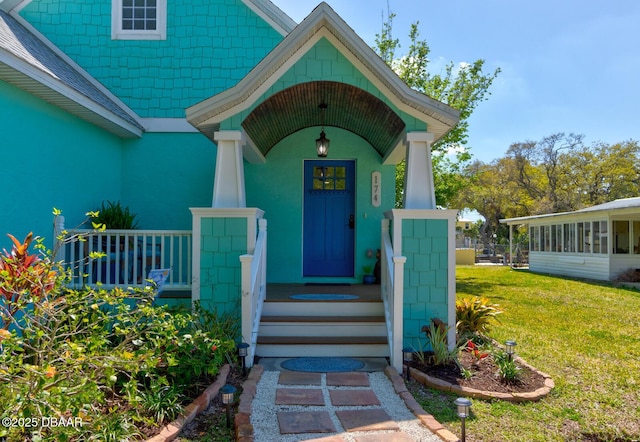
(437, 337)
(102, 357)
(508, 371)
(474, 316)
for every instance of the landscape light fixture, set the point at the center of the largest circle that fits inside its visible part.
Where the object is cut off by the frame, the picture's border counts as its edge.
(464, 410)
(322, 143)
(243, 348)
(227, 393)
(511, 348)
(407, 357)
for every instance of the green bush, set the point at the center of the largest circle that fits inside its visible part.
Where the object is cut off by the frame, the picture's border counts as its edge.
(106, 359)
(474, 315)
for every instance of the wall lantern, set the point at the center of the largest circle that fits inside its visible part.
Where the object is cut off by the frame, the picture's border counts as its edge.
(464, 410)
(322, 143)
(227, 393)
(511, 348)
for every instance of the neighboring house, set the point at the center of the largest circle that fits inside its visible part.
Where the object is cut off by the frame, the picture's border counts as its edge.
(599, 242)
(203, 117)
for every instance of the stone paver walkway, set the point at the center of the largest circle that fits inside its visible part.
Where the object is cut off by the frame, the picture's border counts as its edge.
(336, 407)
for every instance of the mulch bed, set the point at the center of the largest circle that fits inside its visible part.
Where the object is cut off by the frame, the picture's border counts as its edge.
(485, 377)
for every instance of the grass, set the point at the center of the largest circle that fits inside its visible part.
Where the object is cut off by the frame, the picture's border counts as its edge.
(586, 335)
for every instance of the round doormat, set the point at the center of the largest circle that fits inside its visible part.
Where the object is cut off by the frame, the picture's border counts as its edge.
(322, 365)
(323, 297)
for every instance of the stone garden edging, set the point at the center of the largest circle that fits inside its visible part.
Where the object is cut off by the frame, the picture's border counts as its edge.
(425, 418)
(170, 431)
(242, 421)
(439, 384)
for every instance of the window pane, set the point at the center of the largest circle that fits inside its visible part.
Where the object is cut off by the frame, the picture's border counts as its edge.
(636, 236)
(604, 237)
(587, 237)
(621, 237)
(596, 237)
(581, 238)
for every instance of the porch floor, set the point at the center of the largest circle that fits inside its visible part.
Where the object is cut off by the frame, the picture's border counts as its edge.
(280, 292)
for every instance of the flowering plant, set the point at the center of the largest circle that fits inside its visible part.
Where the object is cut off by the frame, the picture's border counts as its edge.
(475, 351)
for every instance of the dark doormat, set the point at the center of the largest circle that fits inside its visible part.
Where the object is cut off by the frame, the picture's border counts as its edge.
(323, 297)
(322, 364)
(328, 284)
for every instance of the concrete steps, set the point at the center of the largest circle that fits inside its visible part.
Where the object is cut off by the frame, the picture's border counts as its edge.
(322, 328)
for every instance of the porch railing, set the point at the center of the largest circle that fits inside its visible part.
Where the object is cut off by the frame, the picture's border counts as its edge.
(392, 285)
(128, 256)
(254, 289)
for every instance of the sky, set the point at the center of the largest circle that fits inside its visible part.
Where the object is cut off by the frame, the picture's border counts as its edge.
(569, 66)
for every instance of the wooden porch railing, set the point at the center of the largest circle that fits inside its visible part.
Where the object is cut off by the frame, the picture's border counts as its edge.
(254, 289)
(129, 255)
(392, 287)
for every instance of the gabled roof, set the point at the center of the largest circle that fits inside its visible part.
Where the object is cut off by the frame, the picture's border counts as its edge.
(30, 64)
(273, 15)
(624, 204)
(323, 22)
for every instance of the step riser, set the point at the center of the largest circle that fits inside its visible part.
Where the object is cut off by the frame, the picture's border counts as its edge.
(323, 308)
(324, 329)
(320, 350)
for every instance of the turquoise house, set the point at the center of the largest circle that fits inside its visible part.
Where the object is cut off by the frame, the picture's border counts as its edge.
(221, 123)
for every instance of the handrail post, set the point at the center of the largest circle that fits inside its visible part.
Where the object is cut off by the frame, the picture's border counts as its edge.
(59, 251)
(247, 301)
(398, 307)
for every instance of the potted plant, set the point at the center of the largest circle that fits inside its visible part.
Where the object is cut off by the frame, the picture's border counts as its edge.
(112, 216)
(368, 277)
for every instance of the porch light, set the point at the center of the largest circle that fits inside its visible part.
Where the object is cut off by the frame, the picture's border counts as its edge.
(227, 393)
(242, 353)
(464, 409)
(322, 143)
(511, 348)
(407, 357)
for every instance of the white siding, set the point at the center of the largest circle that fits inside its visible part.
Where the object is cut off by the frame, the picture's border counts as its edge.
(584, 265)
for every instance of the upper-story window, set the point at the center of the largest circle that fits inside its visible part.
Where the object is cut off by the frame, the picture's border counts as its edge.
(139, 19)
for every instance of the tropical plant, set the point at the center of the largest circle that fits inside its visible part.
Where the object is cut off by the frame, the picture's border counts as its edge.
(114, 216)
(101, 357)
(437, 337)
(474, 315)
(508, 371)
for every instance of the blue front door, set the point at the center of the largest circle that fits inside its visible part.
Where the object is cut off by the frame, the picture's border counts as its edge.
(329, 223)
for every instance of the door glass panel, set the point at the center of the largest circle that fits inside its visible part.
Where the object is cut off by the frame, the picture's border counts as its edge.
(329, 178)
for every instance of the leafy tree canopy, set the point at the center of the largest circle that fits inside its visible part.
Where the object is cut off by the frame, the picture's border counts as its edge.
(461, 86)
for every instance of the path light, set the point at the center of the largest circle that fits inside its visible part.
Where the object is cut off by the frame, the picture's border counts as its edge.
(407, 357)
(227, 393)
(511, 348)
(464, 409)
(242, 353)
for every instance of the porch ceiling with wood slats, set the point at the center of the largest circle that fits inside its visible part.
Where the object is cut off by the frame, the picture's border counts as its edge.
(348, 107)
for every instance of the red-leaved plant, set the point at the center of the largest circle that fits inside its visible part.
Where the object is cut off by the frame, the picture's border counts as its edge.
(473, 349)
(24, 277)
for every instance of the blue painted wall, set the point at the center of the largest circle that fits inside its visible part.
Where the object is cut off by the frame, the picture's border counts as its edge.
(164, 174)
(223, 241)
(51, 159)
(210, 46)
(277, 188)
(425, 244)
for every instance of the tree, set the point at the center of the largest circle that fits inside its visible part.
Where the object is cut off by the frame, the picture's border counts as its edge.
(556, 174)
(462, 87)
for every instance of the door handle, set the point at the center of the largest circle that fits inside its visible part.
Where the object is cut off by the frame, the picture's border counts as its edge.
(352, 222)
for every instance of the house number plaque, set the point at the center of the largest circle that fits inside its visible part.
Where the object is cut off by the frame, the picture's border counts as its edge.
(375, 189)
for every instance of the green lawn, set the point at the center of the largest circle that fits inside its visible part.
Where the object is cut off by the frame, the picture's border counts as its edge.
(586, 335)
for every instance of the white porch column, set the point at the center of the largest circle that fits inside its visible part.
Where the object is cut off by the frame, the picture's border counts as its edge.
(228, 185)
(419, 192)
